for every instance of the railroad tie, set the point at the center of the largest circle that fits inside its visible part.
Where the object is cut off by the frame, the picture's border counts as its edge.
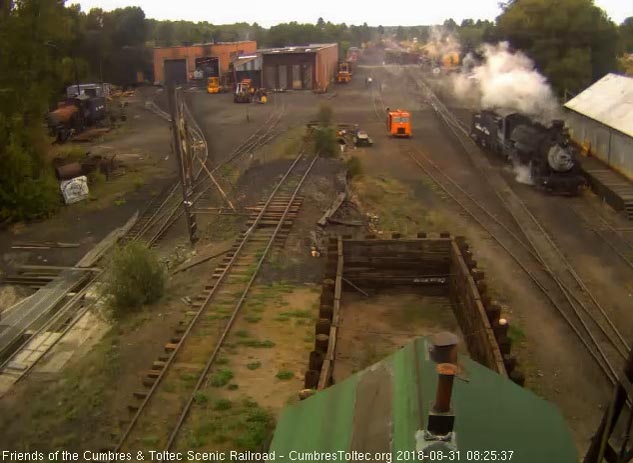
(170, 347)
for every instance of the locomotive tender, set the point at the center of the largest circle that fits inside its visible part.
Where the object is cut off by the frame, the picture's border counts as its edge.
(547, 151)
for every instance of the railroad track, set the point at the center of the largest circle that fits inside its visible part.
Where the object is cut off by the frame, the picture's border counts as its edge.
(165, 209)
(377, 95)
(608, 234)
(43, 336)
(162, 408)
(537, 253)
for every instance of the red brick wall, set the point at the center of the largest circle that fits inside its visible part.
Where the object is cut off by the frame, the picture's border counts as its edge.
(224, 51)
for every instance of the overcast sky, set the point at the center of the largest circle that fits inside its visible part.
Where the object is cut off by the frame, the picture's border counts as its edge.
(374, 12)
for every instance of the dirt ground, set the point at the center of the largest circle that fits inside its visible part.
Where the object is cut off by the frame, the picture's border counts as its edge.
(375, 327)
(397, 196)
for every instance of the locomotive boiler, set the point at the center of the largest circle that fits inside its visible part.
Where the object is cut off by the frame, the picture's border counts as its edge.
(546, 150)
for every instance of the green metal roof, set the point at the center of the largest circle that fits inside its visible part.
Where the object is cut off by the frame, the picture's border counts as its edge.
(383, 407)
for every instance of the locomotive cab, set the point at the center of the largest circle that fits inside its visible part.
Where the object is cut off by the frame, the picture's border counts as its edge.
(399, 123)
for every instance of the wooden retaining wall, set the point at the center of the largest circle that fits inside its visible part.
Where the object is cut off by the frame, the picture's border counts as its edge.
(439, 265)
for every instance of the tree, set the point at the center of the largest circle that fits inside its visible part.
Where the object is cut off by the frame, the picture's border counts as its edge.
(626, 35)
(320, 23)
(571, 41)
(36, 37)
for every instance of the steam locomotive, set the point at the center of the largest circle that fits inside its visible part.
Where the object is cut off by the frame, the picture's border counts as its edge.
(74, 115)
(552, 161)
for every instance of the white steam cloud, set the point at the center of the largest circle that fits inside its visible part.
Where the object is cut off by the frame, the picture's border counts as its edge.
(441, 43)
(508, 80)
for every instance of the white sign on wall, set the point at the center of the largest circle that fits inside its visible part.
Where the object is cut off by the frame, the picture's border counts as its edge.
(74, 190)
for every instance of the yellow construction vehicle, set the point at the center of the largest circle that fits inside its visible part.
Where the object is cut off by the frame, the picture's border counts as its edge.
(344, 74)
(213, 85)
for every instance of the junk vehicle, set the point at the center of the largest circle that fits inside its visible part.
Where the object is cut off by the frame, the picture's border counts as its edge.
(399, 123)
(74, 115)
(547, 152)
(242, 93)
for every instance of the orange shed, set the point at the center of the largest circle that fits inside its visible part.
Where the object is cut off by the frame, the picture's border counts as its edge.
(178, 64)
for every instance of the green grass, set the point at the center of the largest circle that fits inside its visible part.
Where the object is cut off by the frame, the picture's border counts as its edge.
(256, 343)
(222, 361)
(222, 404)
(285, 375)
(221, 377)
(253, 365)
(515, 333)
(200, 398)
(242, 334)
(252, 318)
(298, 314)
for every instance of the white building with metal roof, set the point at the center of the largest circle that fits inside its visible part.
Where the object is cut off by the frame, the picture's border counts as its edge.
(602, 117)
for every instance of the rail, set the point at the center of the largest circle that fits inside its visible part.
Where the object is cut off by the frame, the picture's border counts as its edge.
(544, 252)
(219, 281)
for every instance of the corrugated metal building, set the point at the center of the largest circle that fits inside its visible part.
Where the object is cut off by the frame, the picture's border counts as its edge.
(385, 410)
(248, 67)
(311, 67)
(602, 118)
(178, 64)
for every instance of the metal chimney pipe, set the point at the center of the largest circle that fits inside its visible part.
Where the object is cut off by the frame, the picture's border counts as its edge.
(446, 373)
(445, 347)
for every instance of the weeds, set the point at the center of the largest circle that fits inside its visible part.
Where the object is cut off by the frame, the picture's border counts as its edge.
(222, 404)
(200, 398)
(285, 375)
(253, 365)
(222, 377)
(256, 343)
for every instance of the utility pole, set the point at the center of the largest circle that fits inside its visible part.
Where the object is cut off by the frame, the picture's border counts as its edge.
(183, 155)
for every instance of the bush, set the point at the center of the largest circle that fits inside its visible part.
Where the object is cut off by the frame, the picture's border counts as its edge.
(325, 115)
(354, 167)
(325, 141)
(135, 277)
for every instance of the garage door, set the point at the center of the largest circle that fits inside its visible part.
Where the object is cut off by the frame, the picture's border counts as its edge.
(175, 71)
(283, 76)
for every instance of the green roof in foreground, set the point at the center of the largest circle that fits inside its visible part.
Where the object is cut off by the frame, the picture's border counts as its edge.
(383, 408)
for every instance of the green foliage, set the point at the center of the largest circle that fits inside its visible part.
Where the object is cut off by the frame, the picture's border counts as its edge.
(285, 375)
(254, 365)
(73, 154)
(325, 141)
(572, 42)
(266, 344)
(256, 428)
(96, 178)
(325, 115)
(626, 35)
(222, 404)
(134, 278)
(354, 167)
(200, 398)
(221, 378)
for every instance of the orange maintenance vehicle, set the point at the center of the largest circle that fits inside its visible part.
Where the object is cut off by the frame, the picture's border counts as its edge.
(344, 74)
(399, 123)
